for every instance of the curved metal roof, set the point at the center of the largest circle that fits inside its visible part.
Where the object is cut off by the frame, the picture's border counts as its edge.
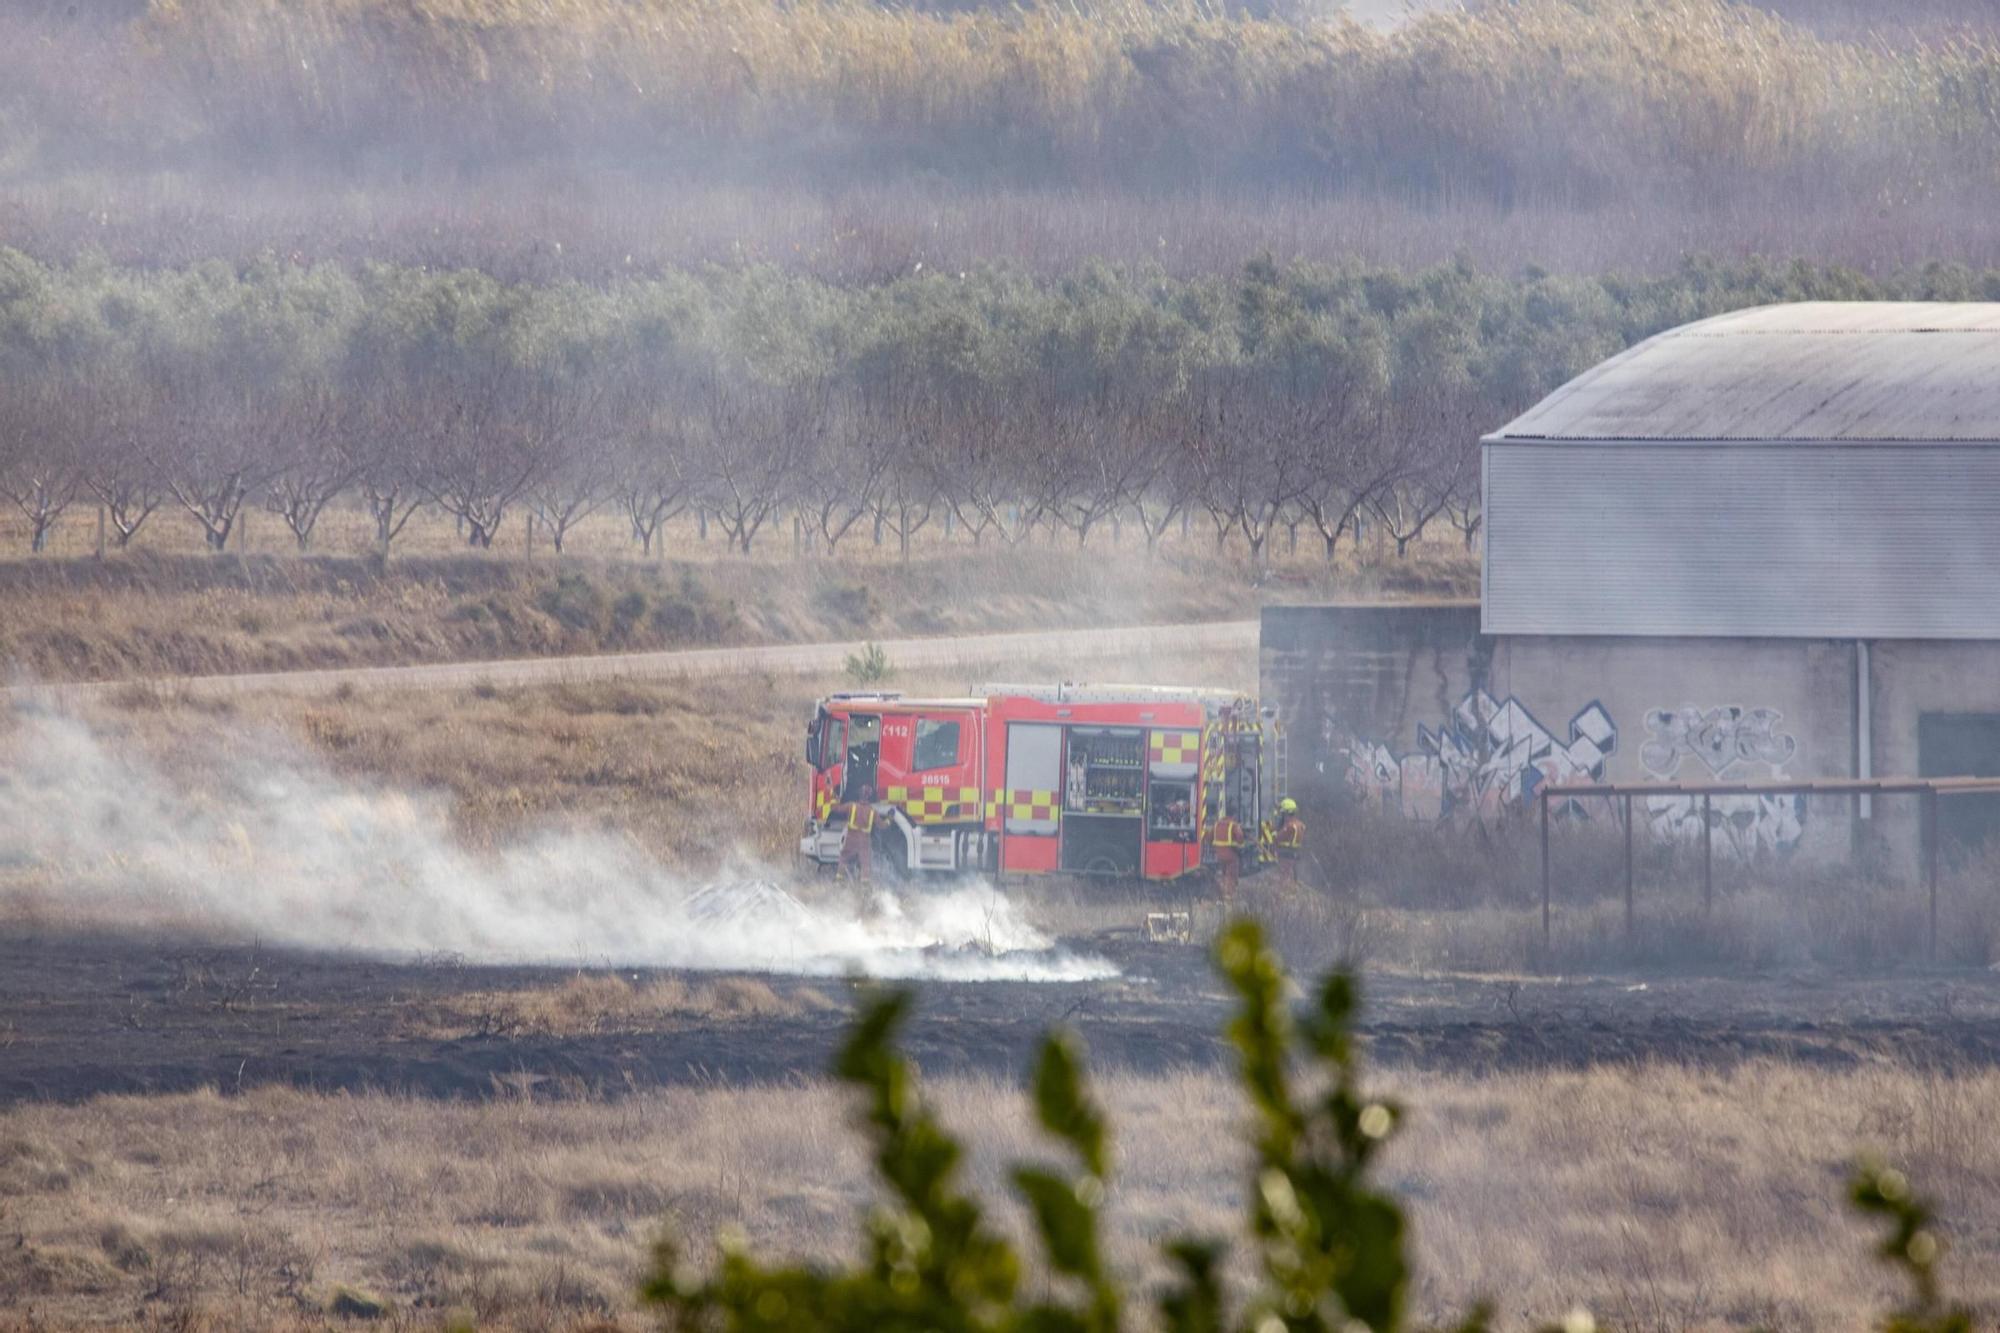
(1818, 371)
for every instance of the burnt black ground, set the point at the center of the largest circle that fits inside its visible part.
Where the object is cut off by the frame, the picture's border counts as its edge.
(85, 1014)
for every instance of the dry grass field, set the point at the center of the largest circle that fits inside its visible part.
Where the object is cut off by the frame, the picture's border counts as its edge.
(690, 775)
(163, 609)
(1661, 1197)
(1664, 1194)
(698, 777)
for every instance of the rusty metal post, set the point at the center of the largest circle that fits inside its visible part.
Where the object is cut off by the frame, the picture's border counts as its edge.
(1545, 867)
(1707, 857)
(1628, 870)
(1931, 861)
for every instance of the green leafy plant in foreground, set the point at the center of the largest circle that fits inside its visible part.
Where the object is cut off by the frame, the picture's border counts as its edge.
(1331, 1248)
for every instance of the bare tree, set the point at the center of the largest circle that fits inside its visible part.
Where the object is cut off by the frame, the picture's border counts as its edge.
(41, 464)
(489, 436)
(577, 482)
(982, 468)
(841, 479)
(312, 463)
(389, 488)
(217, 453)
(1462, 501)
(1164, 478)
(755, 437)
(1344, 476)
(649, 479)
(122, 454)
(1249, 451)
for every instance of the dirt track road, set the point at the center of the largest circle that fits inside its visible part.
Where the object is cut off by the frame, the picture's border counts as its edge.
(696, 663)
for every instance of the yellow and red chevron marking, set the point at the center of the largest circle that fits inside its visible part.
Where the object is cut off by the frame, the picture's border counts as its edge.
(822, 803)
(1025, 804)
(935, 805)
(1174, 747)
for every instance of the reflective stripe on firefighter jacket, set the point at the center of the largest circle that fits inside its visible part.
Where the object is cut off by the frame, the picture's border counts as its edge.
(1291, 834)
(860, 818)
(1228, 833)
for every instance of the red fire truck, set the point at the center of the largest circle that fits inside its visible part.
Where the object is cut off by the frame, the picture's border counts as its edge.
(1042, 779)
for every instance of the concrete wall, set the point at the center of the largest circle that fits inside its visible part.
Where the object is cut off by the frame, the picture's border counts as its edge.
(1702, 710)
(1341, 672)
(1409, 710)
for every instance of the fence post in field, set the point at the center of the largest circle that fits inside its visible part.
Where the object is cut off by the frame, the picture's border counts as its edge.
(100, 532)
(528, 538)
(1628, 870)
(1545, 865)
(1707, 856)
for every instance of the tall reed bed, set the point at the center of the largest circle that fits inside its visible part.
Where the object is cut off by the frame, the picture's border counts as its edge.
(1536, 100)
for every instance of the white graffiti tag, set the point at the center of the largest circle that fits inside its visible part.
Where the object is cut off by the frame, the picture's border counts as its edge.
(1490, 757)
(1729, 742)
(1721, 738)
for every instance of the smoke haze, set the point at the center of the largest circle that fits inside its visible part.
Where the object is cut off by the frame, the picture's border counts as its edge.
(278, 849)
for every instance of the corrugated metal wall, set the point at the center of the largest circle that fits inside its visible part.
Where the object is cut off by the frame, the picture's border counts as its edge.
(1795, 540)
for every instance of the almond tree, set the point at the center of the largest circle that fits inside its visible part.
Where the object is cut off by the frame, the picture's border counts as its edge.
(841, 479)
(476, 459)
(1433, 420)
(313, 461)
(649, 477)
(754, 438)
(123, 467)
(42, 466)
(216, 453)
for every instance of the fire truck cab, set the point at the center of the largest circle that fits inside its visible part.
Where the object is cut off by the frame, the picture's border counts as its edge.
(1041, 779)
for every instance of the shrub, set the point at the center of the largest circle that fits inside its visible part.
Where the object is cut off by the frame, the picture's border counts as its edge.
(869, 666)
(1330, 1246)
(576, 602)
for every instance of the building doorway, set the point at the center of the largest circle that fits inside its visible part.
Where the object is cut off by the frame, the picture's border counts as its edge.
(1962, 745)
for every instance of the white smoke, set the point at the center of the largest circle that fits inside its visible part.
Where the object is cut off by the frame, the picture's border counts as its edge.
(276, 848)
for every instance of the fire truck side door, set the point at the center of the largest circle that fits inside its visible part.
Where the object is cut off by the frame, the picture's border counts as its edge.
(864, 751)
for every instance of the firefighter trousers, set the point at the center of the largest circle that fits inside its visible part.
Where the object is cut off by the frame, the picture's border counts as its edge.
(857, 853)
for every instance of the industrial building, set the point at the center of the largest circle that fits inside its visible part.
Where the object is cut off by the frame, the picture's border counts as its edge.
(1765, 545)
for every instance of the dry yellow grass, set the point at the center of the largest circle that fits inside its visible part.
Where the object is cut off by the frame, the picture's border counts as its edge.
(605, 1002)
(693, 774)
(1661, 1197)
(165, 610)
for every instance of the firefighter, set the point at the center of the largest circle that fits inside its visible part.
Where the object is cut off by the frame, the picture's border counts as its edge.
(857, 846)
(1287, 840)
(1227, 839)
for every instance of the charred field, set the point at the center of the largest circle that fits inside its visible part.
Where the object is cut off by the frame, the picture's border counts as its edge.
(91, 1013)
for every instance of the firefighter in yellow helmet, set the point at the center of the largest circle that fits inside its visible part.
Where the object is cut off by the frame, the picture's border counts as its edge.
(1288, 840)
(857, 846)
(1226, 837)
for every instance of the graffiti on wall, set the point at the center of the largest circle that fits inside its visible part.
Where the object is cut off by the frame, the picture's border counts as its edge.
(1488, 758)
(1723, 743)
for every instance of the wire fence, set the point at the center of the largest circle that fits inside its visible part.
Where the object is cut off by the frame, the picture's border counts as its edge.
(1929, 791)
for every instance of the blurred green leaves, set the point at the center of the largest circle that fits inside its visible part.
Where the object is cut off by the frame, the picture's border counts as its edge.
(1331, 1247)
